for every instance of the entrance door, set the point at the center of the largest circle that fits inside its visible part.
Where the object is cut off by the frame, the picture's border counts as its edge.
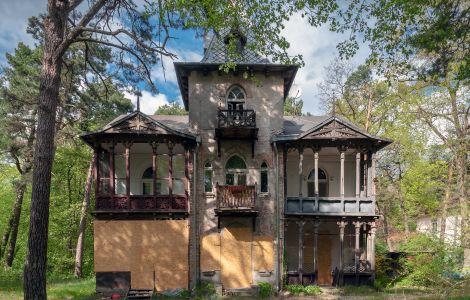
(324, 260)
(236, 257)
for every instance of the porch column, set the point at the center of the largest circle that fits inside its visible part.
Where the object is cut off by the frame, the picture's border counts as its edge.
(154, 168)
(111, 170)
(316, 224)
(128, 168)
(301, 159)
(373, 228)
(357, 226)
(342, 156)
(342, 225)
(316, 174)
(358, 174)
(170, 169)
(186, 170)
(300, 225)
(96, 170)
(369, 175)
(372, 180)
(366, 181)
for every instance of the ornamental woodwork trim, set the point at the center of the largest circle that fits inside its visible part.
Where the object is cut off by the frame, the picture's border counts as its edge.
(333, 130)
(138, 124)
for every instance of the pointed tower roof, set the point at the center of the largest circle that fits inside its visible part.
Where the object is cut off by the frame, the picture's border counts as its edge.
(217, 50)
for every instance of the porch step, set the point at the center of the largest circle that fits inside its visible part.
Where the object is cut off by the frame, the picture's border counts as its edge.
(139, 294)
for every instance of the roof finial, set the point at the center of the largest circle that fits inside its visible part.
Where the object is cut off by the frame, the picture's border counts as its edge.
(138, 94)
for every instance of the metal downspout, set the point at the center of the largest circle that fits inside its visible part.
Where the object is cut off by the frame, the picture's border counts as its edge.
(196, 212)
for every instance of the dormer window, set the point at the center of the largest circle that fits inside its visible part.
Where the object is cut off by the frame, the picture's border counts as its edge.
(236, 98)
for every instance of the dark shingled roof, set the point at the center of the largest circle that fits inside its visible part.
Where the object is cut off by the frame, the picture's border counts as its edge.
(300, 124)
(217, 50)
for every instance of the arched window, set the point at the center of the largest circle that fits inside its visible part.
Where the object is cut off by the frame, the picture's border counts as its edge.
(264, 177)
(208, 177)
(147, 182)
(235, 169)
(236, 98)
(322, 183)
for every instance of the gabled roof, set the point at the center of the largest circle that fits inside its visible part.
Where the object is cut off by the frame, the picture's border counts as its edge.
(137, 123)
(217, 50)
(325, 128)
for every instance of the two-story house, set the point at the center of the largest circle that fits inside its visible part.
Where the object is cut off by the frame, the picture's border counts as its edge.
(234, 193)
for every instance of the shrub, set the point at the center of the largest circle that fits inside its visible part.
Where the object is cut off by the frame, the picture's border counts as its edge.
(297, 289)
(265, 289)
(204, 290)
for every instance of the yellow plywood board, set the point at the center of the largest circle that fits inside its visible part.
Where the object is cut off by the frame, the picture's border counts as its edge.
(263, 253)
(142, 280)
(210, 252)
(112, 246)
(144, 247)
(236, 257)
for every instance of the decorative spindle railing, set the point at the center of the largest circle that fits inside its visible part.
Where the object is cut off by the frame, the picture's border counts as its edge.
(236, 196)
(141, 203)
(228, 118)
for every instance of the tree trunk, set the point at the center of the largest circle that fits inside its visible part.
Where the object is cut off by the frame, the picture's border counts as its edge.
(6, 235)
(36, 258)
(20, 190)
(403, 209)
(387, 234)
(447, 198)
(461, 166)
(83, 220)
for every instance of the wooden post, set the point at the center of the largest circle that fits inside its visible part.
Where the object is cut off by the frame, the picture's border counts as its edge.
(342, 156)
(154, 169)
(316, 224)
(300, 225)
(284, 167)
(186, 170)
(358, 174)
(365, 174)
(369, 176)
(96, 172)
(372, 180)
(316, 175)
(301, 159)
(342, 224)
(128, 168)
(357, 226)
(373, 228)
(170, 169)
(111, 170)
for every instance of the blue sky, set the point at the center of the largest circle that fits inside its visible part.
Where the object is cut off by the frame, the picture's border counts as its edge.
(317, 45)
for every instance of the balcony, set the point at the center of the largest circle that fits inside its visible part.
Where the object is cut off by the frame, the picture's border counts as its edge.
(238, 125)
(141, 204)
(330, 206)
(236, 201)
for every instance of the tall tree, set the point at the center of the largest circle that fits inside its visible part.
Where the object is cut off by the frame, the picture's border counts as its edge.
(171, 109)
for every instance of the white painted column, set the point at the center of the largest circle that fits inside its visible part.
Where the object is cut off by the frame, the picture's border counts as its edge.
(372, 181)
(316, 174)
(342, 155)
(358, 174)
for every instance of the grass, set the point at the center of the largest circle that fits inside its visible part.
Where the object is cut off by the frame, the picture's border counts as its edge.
(79, 289)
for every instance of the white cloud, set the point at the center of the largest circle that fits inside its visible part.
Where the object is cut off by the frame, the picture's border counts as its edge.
(148, 103)
(318, 48)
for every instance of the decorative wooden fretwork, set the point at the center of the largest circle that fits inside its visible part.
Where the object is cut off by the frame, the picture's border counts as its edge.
(333, 130)
(236, 196)
(141, 203)
(139, 123)
(236, 118)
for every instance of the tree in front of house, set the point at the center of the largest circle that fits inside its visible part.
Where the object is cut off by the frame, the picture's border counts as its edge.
(173, 108)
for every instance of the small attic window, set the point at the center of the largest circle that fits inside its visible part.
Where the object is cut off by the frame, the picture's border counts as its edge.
(240, 40)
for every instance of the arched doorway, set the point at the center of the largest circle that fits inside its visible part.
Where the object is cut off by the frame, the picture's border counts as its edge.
(322, 183)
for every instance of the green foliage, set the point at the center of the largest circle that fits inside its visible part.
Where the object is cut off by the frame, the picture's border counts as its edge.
(293, 107)
(171, 109)
(308, 290)
(265, 289)
(429, 263)
(204, 290)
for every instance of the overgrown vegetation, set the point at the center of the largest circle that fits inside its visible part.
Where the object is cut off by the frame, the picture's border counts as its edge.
(265, 289)
(297, 289)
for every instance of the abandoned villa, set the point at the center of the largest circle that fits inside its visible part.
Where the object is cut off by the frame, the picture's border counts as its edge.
(235, 192)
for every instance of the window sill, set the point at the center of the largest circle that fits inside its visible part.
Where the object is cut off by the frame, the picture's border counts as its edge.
(209, 194)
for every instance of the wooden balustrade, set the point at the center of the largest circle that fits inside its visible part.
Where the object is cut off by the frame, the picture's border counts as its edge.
(236, 196)
(141, 203)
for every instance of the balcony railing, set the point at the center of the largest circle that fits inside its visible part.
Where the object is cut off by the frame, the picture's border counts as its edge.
(228, 118)
(236, 197)
(141, 203)
(330, 205)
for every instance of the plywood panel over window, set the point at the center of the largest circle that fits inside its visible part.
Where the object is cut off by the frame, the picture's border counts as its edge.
(236, 257)
(263, 253)
(210, 252)
(155, 252)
